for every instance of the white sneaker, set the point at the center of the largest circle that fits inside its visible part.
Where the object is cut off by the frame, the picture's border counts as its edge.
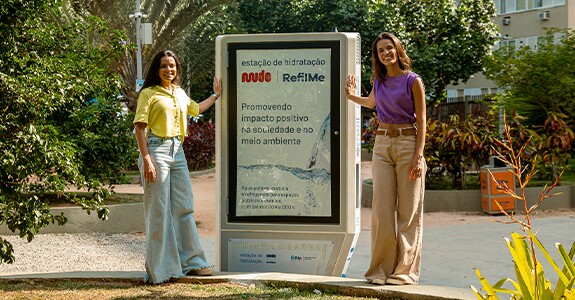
(378, 281)
(395, 281)
(200, 272)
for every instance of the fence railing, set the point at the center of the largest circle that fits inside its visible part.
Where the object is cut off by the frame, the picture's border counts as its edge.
(474, 105)
(468, 105)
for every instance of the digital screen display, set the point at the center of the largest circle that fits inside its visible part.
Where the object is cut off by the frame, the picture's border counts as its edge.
(283, 118)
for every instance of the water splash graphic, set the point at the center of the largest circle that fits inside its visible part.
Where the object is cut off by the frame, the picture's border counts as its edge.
(321, 146)
(280, 190)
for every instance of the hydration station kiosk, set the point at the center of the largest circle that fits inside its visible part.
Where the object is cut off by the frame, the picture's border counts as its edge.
(287, 153)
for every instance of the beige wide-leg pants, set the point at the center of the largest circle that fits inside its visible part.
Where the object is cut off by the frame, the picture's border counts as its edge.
(397, 211)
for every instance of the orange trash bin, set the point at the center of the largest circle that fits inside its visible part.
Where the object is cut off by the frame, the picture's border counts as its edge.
(491, 193)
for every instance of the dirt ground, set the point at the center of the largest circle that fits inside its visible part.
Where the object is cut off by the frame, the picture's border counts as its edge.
(204, 187)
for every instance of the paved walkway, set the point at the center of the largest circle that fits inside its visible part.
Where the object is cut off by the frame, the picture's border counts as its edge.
(452, 252)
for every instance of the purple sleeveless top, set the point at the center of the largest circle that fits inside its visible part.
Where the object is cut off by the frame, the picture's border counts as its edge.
(394, 99)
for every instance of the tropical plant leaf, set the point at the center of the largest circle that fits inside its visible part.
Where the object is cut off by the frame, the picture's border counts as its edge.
(497, 287)
(550, 259)
(486, 285)
(567, 260)
(523, 266)
(477, 293)
(522, 284)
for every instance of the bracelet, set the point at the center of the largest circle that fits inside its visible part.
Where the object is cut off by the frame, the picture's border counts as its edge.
(215, 96)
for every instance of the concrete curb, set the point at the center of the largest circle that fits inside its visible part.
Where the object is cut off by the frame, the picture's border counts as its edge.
(470, 200)
(341, 286)
(122, 218)
(128, 217)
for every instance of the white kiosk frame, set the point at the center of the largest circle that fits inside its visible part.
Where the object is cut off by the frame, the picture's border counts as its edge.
(318, 240)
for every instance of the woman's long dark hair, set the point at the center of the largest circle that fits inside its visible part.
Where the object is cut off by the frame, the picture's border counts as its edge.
(378, 69)
(153, 77)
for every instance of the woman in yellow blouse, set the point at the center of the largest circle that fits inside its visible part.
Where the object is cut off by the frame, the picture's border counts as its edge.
(172, 243)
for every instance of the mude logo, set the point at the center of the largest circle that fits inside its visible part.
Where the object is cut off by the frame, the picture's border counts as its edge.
(262, 76)
(265, 76)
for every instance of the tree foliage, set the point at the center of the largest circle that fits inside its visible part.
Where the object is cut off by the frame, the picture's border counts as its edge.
(169, 19)
(197, 52)
(61, 124)
(447, 41)
(538, 82)
(284, 16)
(287, 16)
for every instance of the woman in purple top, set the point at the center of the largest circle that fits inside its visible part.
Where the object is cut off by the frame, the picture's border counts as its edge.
(398, 167)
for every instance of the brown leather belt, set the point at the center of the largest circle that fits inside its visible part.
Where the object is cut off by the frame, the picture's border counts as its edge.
(396, 132)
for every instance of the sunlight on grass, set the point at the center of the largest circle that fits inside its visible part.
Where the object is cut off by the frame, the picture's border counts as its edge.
(116, 198)
(67, 289)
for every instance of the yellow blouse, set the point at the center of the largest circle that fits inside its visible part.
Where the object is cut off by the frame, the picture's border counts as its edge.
(165, 113)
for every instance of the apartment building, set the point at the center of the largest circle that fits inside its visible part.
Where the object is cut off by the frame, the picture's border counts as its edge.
(520, 22)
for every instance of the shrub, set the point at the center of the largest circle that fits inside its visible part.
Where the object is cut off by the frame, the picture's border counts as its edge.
(368, 133)
(104, 140)
(459, 145)
(554, 145)
(454, 146)
(51, 137)
(200, 145)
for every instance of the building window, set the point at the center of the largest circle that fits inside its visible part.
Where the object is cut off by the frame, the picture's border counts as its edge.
(509, 6)
(509, 43)
(451, 96)
(531, 41)
(521, 5)
(558, 37)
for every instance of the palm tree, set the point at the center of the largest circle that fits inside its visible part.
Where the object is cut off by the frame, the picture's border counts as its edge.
(169, 19)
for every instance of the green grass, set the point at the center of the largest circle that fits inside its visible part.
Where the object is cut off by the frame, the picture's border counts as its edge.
(99, 289)
(567, 178)
(132, 173)
(115, 198)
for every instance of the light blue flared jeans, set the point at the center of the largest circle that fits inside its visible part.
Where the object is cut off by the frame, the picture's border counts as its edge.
(172, 242)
